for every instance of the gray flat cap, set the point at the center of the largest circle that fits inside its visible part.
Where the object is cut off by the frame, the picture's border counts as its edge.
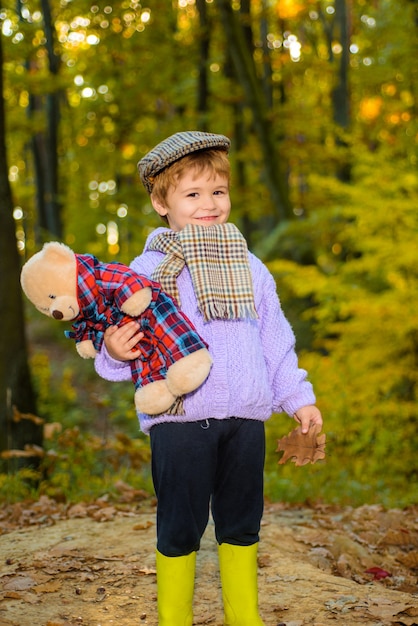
(174, 148)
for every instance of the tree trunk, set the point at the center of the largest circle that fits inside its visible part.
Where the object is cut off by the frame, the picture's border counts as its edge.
(267, 70)
(16, 393)
(241, 129)
(45, 144)
(52, 109)
(202, 85)
(340, 94)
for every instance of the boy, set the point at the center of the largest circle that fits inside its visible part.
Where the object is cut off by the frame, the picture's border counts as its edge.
(211, 454)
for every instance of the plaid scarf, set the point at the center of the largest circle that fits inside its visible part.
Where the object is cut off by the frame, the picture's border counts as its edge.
(217, 259)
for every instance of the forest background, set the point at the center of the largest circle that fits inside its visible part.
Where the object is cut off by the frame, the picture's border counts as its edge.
(319, 100)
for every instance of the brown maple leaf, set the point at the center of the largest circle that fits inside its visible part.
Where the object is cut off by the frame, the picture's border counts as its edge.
(300, 448)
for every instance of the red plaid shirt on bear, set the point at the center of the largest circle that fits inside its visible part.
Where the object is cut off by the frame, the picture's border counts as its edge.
(102, 288)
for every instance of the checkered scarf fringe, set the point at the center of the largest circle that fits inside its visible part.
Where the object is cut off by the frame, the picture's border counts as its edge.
(217, 259)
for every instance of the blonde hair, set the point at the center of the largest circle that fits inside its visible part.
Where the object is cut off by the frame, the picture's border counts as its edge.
(214, 161)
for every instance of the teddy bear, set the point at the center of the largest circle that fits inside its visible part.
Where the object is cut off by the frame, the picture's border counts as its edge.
(93, 295)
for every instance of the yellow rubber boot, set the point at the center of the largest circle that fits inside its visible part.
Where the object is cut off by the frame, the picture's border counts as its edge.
(238, 568)
(175, 588)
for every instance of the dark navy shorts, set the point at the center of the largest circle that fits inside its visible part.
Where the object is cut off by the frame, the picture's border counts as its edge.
(215, 464)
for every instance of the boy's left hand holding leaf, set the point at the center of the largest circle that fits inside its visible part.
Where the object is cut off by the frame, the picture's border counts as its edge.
(308, 416)
(305, 444)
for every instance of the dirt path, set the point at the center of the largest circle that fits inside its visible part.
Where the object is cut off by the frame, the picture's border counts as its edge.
(95, 566)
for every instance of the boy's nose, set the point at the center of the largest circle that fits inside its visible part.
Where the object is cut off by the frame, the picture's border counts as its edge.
(209, 202)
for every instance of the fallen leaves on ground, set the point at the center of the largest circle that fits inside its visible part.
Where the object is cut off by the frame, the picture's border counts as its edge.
(93, 564)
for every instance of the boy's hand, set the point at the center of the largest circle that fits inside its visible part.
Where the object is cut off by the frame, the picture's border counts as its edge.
(120, 341)
(308, 416)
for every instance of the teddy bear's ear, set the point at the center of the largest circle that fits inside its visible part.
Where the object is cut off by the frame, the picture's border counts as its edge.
(55, 252)
(56, 259)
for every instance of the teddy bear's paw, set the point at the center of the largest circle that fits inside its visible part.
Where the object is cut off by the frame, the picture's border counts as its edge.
(189, 373)
(154, 398)
(138, 302)
(86, 349)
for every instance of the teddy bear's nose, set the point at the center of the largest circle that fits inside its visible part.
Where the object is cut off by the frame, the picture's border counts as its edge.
(57, 315)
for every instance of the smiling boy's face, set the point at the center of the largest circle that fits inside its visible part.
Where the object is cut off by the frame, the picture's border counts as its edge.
(198, 197)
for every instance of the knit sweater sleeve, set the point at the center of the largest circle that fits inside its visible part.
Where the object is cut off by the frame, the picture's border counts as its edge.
(289, 384)
(109, 368)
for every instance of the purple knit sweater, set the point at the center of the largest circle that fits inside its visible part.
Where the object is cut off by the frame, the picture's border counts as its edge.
(255, 369)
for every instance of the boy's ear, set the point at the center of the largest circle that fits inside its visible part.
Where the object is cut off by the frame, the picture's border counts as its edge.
(158, 206)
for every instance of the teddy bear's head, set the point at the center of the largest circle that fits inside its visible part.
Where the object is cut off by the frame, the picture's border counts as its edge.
(49, 280)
